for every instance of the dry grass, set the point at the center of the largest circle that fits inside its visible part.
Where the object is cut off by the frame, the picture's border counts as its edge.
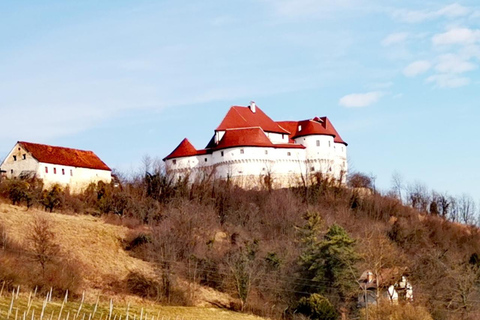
(82, 238)
(53, 309)
(98, 247)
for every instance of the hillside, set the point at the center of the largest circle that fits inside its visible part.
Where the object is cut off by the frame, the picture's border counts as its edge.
(97, 251)
(261, 251)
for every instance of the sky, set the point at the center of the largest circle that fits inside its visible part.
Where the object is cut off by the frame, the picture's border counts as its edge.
(126, 79)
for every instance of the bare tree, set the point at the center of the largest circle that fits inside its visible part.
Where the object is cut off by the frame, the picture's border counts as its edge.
(398, 185)
(42, 239)
(418, 196)
(466, 208)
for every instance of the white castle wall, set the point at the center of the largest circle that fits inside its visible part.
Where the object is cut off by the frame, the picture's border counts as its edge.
(286, 166)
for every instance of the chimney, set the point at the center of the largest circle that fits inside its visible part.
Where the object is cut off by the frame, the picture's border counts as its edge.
(253, 106)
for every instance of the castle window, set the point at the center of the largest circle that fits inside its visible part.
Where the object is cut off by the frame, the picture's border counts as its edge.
(289, 154)
(174, 161)
(318, 143)
(221, 153)
(14, 158)
(71, 173)
(242, 151)
(266, 151)
(329, 143)
(54, 170)
(11, 171)
(63, 171)
(205, 159)
(46, 169)
(312, 169)
(24, 156)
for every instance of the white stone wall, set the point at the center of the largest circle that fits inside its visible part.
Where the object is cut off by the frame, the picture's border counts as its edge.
(286, 166)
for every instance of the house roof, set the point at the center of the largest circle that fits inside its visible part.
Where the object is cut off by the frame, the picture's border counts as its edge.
(315, 126)
(64, 156)
(244, 117)
(184, 149)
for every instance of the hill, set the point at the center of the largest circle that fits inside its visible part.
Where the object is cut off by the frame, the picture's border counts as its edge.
(275, 253)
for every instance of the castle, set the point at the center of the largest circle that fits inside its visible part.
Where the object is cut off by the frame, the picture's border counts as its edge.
(250, 148)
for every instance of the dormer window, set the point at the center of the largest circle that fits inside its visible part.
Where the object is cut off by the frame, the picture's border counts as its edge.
(14, 158)
(300, 127)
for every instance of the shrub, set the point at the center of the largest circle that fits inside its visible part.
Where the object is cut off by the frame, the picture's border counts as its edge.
(318, 307)
(141, 286)
(389, 311)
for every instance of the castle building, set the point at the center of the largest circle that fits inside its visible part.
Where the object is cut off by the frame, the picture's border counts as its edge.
(250, 148)
(55, 165)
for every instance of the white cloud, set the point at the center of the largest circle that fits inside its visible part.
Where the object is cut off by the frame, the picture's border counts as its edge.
(394, 38)
(451, 11)
(448, 81)
(457, 36)
(355, 100)
(416, 68)
(452, 63)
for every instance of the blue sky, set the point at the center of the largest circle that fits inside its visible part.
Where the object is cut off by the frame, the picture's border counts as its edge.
(398, 79)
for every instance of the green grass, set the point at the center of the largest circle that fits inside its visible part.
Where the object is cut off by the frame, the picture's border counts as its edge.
(70, 311)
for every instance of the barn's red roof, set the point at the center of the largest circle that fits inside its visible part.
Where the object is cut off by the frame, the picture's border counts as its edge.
(243, 117)
(64, 156)
(184, 149)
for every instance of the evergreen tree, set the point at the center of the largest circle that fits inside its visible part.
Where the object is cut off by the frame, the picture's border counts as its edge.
(328, 262)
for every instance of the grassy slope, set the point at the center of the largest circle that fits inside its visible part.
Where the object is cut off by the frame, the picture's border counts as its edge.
(52, 311)
(98, 246)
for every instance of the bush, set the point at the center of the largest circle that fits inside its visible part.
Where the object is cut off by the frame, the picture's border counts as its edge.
(318, 307)
(389, 311)
(141, 286)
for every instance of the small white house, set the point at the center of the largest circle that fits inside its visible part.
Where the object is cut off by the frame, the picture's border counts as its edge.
(248, 147)
(55, 165)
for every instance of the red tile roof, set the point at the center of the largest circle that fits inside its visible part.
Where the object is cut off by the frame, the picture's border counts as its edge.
(315, 126)
(245, 137)
(184, 149)
(243, 117)
(64, 156)
(329, 126)
(244, 128)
